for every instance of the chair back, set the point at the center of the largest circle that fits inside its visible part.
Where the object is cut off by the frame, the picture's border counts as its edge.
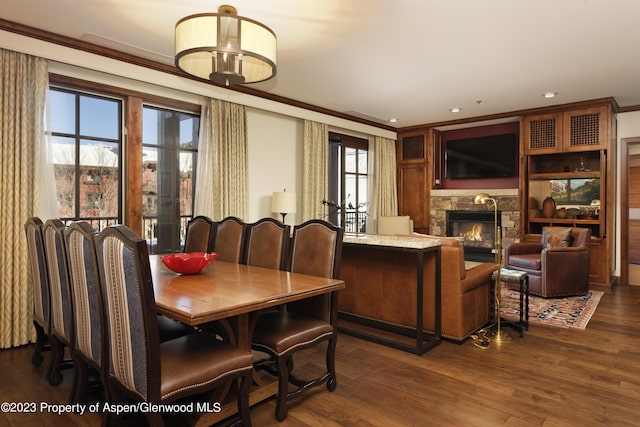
(86, 293)
(39, 273)
(131, 323)
(267, 243)
(229, 243)
(58, 268)
(317, 248)
(581, 237)
(395, 225)
(317, 251)
(200, 235)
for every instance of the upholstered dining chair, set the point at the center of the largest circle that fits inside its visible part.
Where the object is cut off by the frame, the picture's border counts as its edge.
(88, 308)
(229, 239)
(267, 243)
(200, 235)
(40, 289)
(62, 333)
(139, 366)
(316, 250)
(558, 265)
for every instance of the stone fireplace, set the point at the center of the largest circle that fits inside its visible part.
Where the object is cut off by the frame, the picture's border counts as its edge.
(477, 230)
(443, 200)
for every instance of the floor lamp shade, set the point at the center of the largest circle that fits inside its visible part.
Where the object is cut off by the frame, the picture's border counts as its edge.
(283, 202)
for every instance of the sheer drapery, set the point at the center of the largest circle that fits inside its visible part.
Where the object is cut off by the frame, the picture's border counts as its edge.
(315, 170)
(23, 89)
(383, 194)
(222, 175)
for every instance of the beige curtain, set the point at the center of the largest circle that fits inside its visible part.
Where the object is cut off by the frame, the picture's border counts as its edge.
(222, 175)
(23, 89)
(383, 187)
(315, 180)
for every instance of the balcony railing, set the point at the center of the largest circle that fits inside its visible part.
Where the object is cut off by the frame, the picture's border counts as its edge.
(98, 223)
(355, 222)
(150, 231)
(149, 227)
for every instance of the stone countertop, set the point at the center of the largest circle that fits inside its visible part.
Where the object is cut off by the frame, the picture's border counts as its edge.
(397, 241)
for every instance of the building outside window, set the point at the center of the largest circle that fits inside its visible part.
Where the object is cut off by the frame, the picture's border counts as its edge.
(86, 134)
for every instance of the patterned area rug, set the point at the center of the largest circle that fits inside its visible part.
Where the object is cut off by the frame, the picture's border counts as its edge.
(570, 312)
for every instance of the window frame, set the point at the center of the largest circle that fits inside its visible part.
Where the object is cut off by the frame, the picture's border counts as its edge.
(133, 101)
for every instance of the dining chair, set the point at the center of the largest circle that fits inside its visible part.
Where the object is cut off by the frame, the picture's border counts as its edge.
(40, 290)
(316, 250)
(60, 294)
(267, 243)
(229, 239)
(200, 235)
(139, 366)
(88, 308)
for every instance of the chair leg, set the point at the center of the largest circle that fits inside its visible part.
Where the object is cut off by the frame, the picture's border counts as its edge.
(41, 337)
(283, 387)
(332, 382)
(80, 381)
(243, 400)
(55, 374)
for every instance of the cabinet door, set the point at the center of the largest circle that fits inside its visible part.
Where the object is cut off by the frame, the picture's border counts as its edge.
(542, 134)
(414, 194)
(412, 148)
(586, 129)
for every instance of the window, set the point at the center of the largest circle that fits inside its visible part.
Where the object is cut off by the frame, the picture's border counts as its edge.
(169, 154)
(86, 133)
(348, 182)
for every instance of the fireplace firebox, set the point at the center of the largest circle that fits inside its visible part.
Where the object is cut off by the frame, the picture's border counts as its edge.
(477, 230)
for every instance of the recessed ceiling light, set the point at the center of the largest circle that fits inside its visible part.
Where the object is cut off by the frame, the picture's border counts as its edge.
(549, 94)
(455, 109)
(393, 120)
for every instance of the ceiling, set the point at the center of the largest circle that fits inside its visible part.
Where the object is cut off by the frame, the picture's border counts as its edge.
(408, 59)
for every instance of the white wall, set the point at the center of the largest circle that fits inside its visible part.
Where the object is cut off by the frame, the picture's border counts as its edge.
(275, 161)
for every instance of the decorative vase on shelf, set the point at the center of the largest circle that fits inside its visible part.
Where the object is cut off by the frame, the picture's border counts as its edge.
(548, 207)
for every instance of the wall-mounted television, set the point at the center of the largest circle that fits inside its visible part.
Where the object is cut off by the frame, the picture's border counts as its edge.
(494, 156)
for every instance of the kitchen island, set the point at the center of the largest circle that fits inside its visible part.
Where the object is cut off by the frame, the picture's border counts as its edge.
(392, 283)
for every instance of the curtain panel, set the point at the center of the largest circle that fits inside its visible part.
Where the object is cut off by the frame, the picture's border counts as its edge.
(23, 90)
(383, 185)
(315, 171)
(222, 169)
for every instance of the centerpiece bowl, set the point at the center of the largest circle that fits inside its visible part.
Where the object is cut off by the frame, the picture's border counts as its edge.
(189, 263)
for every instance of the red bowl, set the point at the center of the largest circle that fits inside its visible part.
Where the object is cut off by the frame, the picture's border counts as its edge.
(188, 263)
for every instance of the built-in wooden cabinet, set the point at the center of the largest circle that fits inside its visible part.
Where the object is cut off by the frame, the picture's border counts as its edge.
(584, 129)
(569, 156)
(414, 171)
(571, 145)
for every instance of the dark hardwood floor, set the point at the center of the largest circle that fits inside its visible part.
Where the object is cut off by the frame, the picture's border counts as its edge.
(551, 377)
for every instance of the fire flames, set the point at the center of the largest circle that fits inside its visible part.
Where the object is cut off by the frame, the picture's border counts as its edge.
(474, 237)
(475, 233)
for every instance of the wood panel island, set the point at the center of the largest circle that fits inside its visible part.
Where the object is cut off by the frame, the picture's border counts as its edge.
(391, 284)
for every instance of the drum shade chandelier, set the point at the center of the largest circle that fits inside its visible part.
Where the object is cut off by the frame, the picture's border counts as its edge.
(225, 48)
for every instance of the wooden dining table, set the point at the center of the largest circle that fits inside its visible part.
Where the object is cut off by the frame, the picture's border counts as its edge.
(233, 294)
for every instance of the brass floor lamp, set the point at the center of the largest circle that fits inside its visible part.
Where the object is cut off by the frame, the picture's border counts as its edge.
(499, 336)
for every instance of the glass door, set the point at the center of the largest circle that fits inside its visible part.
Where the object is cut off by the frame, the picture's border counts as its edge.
(170, 144)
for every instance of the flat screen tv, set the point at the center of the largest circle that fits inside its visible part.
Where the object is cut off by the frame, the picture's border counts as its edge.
(494, 156)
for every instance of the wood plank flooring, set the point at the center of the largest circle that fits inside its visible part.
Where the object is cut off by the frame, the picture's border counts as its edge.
(551, 377)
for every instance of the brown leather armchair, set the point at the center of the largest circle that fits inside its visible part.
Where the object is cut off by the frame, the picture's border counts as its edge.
(554, 270)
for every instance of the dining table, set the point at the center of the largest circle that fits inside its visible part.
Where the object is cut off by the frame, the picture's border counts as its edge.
(233, 294)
